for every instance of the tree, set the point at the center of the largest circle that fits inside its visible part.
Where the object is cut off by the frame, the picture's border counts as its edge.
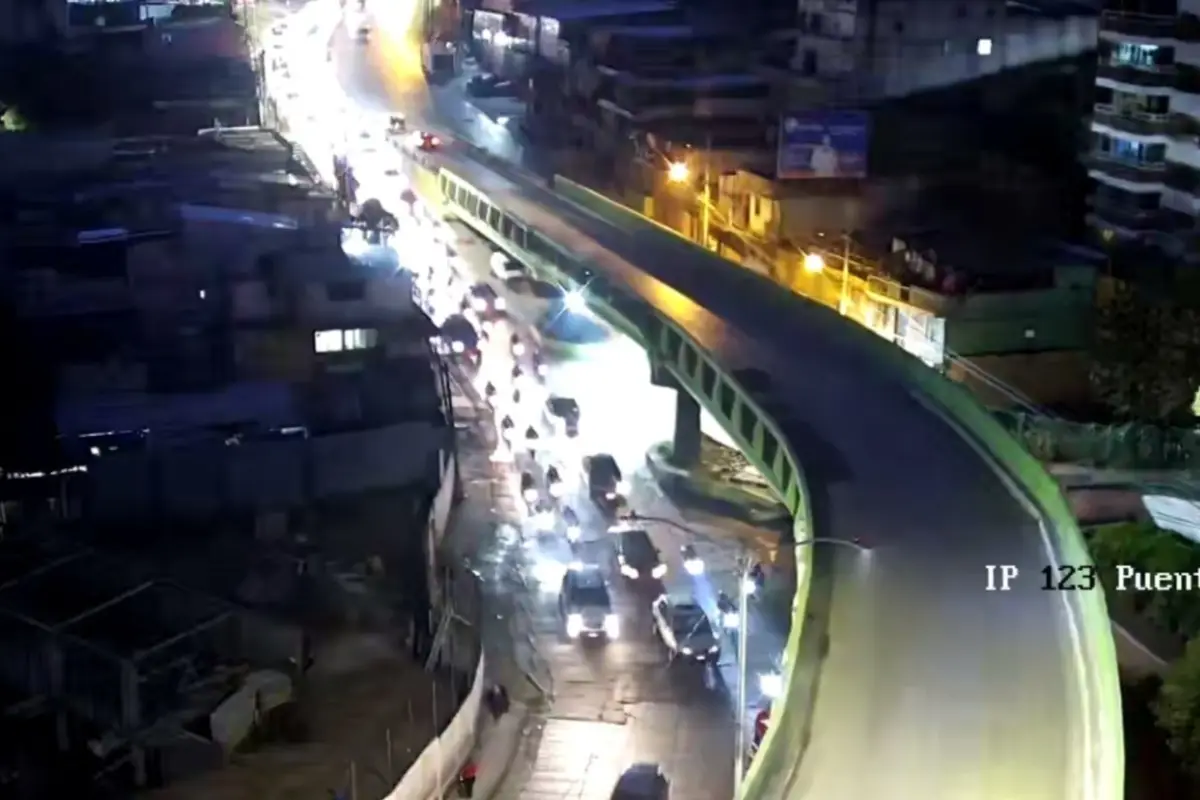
(1146, 356)
(1178, 708)
(11, 120)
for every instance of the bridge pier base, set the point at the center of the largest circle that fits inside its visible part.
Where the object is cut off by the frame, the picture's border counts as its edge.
(685, 447)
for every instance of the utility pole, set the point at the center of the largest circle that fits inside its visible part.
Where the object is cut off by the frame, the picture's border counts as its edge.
(739, 766)
(706, 193)
(844, 297)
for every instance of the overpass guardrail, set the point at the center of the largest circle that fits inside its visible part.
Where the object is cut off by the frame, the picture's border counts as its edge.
(732, 404)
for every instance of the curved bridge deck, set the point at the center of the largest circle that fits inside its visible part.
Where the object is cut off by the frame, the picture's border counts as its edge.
(910, 679)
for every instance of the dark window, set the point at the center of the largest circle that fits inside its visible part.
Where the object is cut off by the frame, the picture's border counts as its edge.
(898, 26)
(690, 357)
(674, 342)
(808, 65)
(727, 399)
(472, 203)
(749, 422)
(484, 211)
(785, 473)
(770, 449)
(506, 228)
(708, 379)
(1104, 96)
(346, 291)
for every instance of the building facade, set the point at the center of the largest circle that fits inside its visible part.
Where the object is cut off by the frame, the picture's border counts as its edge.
(1131, 129)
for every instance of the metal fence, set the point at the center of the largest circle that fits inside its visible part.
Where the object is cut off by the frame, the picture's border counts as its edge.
(1127, 446)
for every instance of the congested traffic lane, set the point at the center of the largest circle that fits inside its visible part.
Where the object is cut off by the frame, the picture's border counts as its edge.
(623, 693)
(669, 699)
(607, 425)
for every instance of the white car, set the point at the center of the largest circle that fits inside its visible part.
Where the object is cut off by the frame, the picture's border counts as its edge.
(505, 268)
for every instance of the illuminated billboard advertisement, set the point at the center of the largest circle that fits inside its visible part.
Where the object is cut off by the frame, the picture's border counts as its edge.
(823, 144)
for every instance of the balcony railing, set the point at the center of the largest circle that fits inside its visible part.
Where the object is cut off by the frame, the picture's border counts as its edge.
(1152, 26)
(1157, 76)
(1134, 171)
(1127, 216)
(1141, 122)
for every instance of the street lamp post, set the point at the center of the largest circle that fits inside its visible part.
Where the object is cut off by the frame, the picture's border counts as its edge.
(814, 264)
(745, 589)
(679, 172)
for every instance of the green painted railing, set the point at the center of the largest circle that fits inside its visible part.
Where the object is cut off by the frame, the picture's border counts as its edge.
(957, 406)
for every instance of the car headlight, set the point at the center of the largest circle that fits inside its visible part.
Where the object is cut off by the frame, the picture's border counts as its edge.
(622, 487)
(687, 651)
(574, 625)
(713, 649)
(610, 495)
(518, 349)
(458, 347)
(479, 304)
(542, 369)
(573, 533)
(499, 304)
(549, 573)
(628, 571)
(659, 570)
(530, 495)
(612, 626)
(694, 566)
(544, 520)
(557, 489)
(771, 684)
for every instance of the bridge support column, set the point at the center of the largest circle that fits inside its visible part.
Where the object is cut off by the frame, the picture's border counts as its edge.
(685, 449)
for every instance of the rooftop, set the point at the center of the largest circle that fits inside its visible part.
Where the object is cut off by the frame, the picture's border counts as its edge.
(128, 75)
(107, 184)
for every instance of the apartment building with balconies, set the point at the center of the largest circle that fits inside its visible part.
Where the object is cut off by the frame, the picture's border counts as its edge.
(1137, 74)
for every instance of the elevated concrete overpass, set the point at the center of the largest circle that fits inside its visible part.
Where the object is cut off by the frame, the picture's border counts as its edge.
(906, 677)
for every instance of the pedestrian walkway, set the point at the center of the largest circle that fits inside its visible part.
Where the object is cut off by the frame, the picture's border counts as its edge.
(499, 744)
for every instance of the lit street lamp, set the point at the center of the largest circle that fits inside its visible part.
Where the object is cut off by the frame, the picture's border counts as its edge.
(678, 172)
(814, 263)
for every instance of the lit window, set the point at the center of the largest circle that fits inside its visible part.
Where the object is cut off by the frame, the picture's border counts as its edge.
(360, 338)
(327, 341)
(984, 47)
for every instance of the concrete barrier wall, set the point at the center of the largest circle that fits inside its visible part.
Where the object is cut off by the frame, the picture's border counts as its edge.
(436, 769)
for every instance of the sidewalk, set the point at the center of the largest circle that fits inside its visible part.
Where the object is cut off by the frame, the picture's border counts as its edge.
(496, 750)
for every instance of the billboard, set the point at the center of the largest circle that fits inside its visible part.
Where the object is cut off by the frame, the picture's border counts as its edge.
(823, 144)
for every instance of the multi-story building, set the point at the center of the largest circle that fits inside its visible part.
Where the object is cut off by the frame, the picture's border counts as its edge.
(1139, 122)
(195, 305)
